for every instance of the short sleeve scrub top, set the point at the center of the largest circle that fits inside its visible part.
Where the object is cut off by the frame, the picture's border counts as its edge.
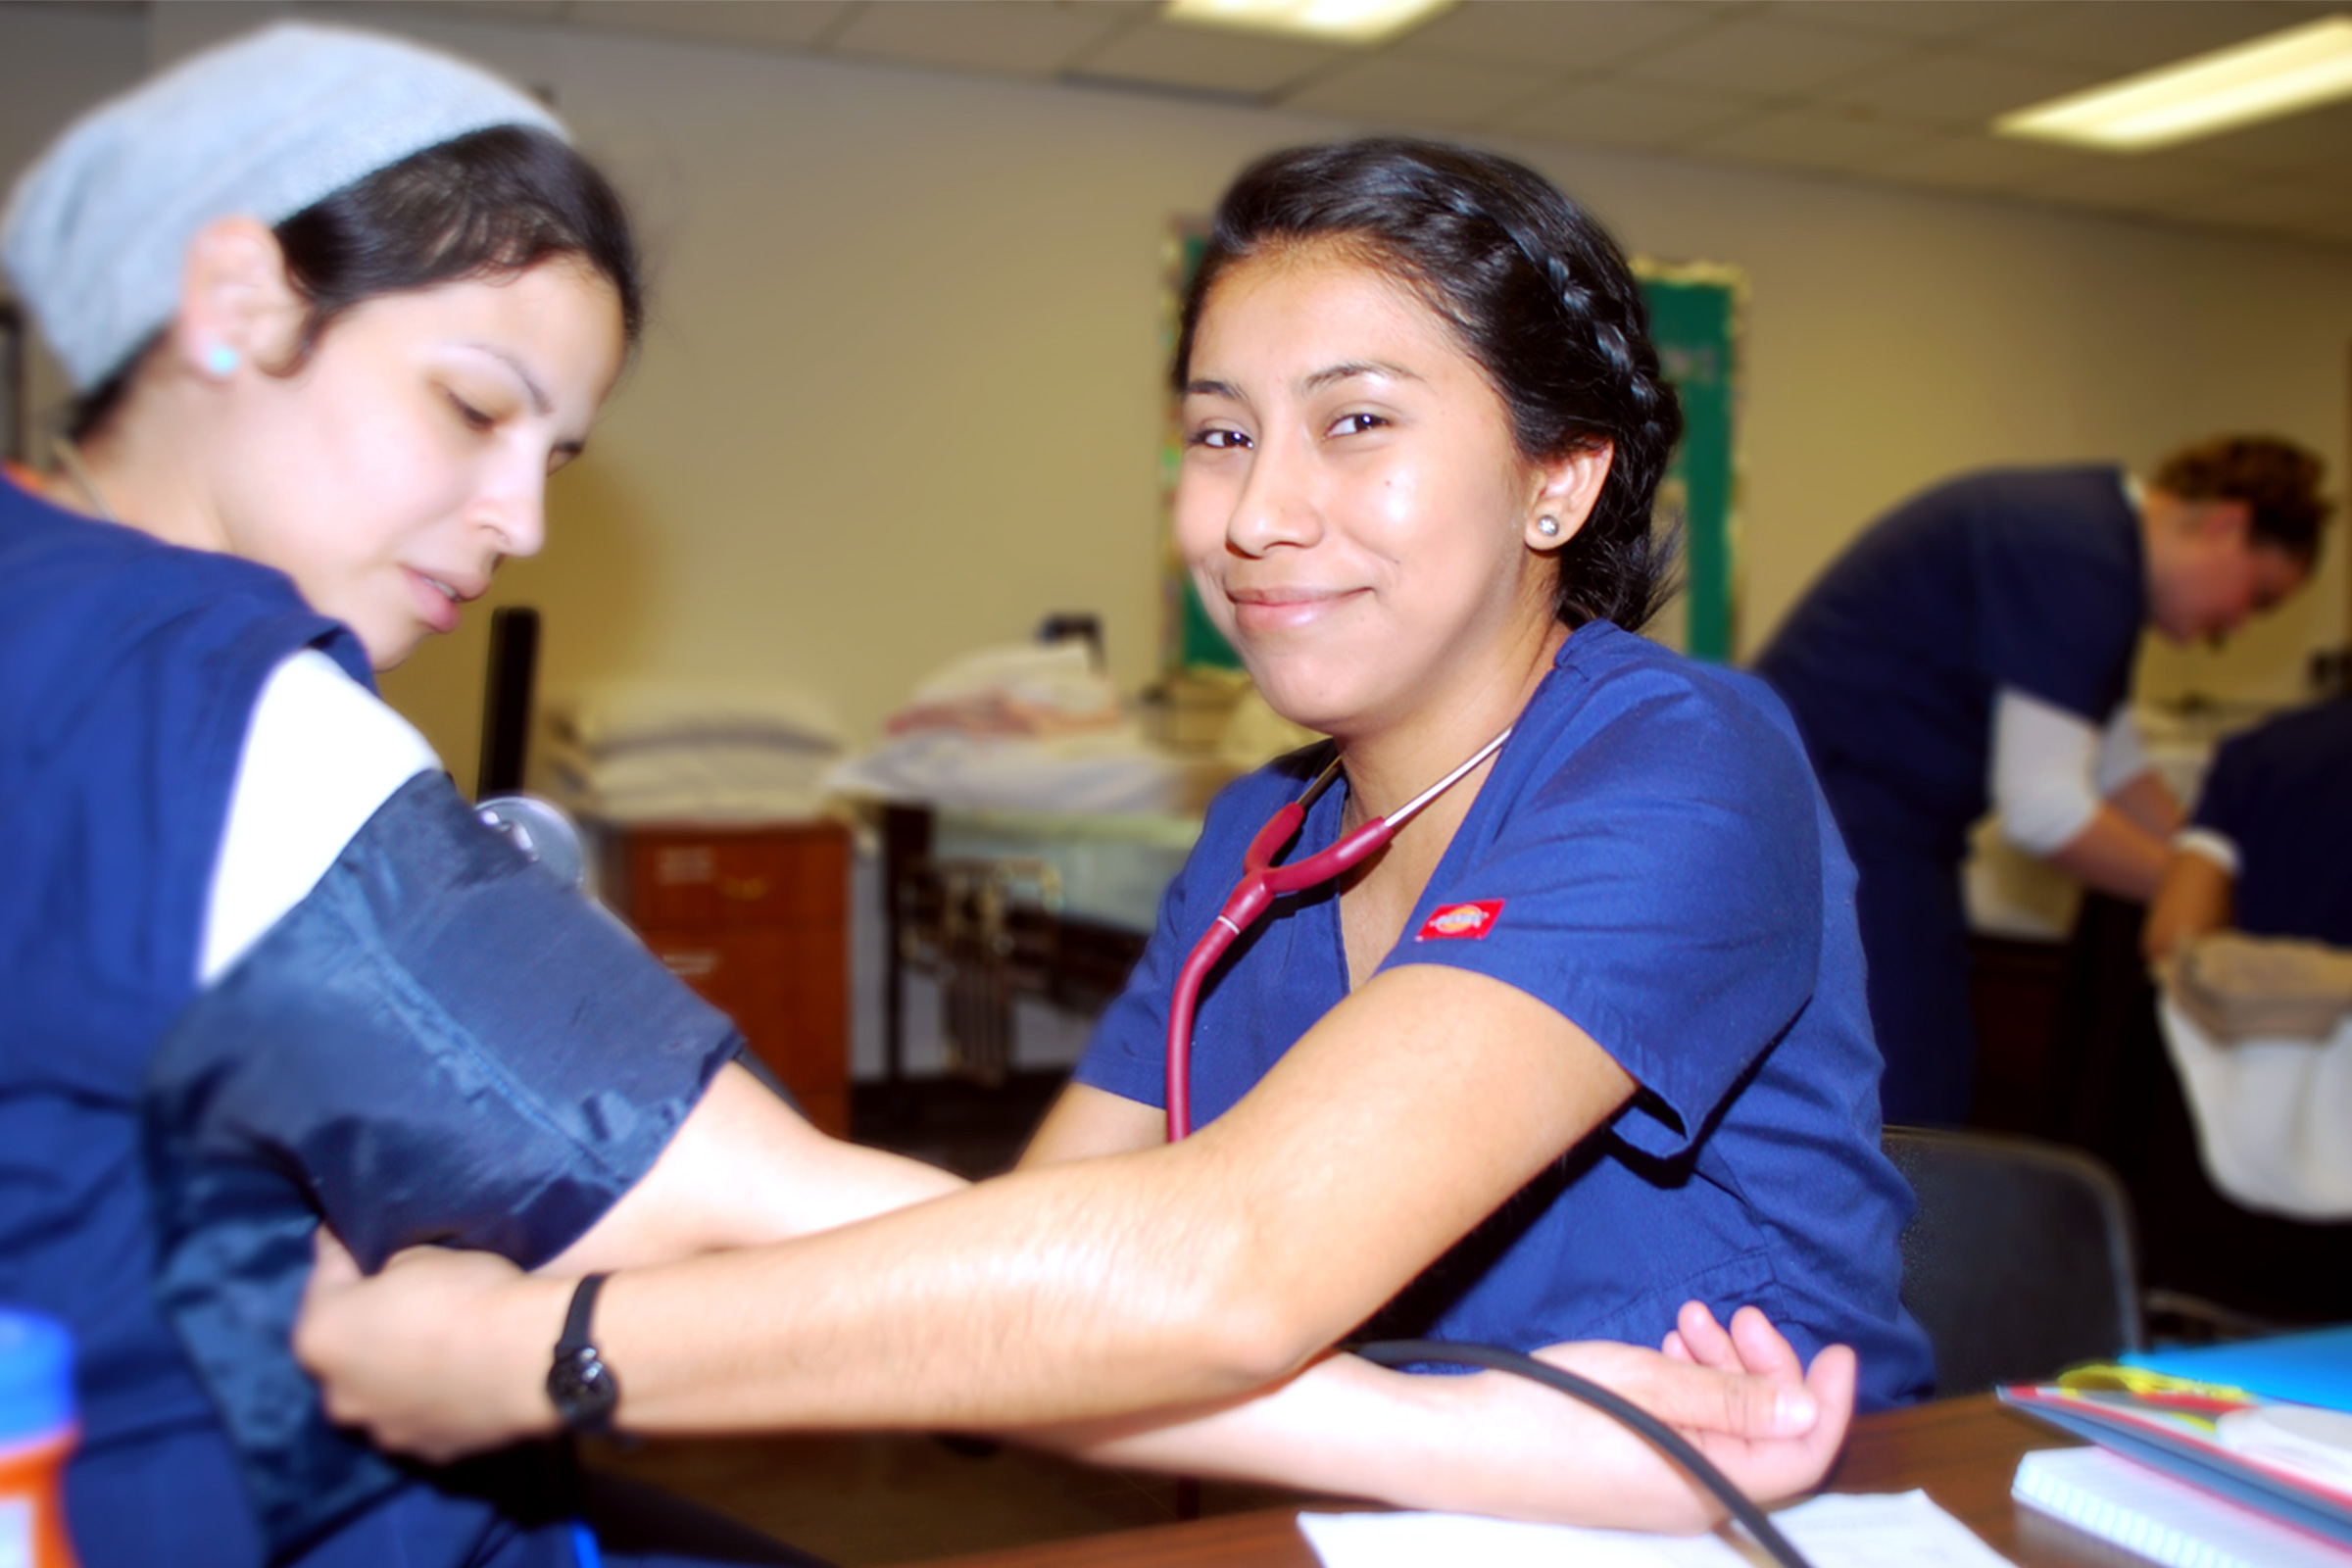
(1650, 856)
(2281, 795)
(2030, 579)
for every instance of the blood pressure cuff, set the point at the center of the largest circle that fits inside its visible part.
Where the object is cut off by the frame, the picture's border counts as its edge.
(441, 1043)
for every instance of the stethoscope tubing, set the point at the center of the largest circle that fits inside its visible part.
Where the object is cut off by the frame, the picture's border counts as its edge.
(1261, 881)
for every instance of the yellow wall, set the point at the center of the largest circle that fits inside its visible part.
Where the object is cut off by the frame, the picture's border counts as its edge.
(901, 392)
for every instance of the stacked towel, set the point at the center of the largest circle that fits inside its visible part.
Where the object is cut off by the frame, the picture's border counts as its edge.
(1025, 727)
(691, 752)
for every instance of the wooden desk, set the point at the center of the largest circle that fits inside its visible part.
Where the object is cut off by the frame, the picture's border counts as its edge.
(1963, 1452)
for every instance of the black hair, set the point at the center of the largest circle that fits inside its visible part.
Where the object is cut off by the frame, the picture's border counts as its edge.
(1540, 298)
(2276, 479)
(488, 204)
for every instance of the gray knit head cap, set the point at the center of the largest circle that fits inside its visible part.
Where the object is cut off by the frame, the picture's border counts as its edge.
(262, 127)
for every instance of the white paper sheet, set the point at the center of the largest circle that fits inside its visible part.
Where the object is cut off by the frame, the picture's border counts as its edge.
(1836, 1530)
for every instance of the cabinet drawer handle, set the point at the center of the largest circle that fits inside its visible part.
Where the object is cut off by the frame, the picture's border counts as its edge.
(742, 889)
(690, 963)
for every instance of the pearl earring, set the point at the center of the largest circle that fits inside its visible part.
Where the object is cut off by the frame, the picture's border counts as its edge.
(1548, 527)
(220, 360)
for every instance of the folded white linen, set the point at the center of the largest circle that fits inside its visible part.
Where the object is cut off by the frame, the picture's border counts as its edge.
(1021, 688)
(737, 765)
(1108, 770)
(2270, 1114)
(607, 716)
(709, 805)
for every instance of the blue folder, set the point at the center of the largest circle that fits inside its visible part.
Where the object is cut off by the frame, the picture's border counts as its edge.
(2308, 1368)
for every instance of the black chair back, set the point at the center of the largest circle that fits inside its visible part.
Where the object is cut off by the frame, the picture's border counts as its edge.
(2020, 1261)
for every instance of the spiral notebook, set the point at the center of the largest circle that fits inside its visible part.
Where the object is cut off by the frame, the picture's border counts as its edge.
(2160, 1518)
(2178, 1428)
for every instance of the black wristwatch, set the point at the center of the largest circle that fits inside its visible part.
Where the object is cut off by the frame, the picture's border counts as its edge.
(582, 1389)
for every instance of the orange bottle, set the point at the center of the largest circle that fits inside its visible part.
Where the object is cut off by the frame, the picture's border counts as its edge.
(37, 1436)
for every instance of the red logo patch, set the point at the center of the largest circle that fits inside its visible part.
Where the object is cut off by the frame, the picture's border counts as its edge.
(1456, 922)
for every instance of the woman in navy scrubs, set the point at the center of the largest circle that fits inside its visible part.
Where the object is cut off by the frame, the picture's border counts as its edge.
(1975, 648)
(2265, 848)
(1585, 1050)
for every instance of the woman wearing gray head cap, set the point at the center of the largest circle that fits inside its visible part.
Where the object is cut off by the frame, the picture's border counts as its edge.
(335, 307)
(338, 307)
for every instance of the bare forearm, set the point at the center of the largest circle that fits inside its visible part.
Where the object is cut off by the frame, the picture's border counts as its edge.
(1162, 1277)
(2195, 898)
(1495, 1444)
(746, 1170)
(2149, 805)
(1342, 1427)
(1039, 1298)
(2115, 854)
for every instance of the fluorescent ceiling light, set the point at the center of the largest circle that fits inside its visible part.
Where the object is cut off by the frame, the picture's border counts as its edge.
(1335, 20)
(2282, 73)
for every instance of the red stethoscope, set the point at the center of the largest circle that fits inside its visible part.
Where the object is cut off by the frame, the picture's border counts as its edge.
(1261, 879)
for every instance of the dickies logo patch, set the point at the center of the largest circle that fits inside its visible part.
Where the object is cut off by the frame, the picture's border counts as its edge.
(1458, 921)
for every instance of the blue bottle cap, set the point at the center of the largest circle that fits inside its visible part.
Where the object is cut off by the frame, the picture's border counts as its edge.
(36, 1376)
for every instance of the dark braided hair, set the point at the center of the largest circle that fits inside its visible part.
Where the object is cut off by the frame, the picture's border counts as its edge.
(1540, 298)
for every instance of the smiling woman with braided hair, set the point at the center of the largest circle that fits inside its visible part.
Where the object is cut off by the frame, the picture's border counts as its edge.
(1582, 1053)
(1590, 1034)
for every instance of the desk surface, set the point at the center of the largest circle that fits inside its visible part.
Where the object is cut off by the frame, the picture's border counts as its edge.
(1963, 1452)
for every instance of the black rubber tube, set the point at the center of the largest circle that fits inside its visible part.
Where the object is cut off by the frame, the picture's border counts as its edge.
(1405, 1352)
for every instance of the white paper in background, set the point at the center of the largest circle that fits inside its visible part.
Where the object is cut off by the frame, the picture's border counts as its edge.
(1836, 1530)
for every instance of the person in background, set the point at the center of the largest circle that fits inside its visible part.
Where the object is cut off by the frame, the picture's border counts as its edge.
(2238, 1144)
(2265, 850)
(1975, 648)
(1584, 1050)
(338, 307)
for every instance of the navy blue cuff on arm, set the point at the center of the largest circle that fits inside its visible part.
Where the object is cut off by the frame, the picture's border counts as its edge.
(440, 1044)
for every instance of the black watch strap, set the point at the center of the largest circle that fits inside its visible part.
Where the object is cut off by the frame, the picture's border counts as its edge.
(582, 1389)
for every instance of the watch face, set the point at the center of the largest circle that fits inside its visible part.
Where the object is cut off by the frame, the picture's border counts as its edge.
(583, 1389)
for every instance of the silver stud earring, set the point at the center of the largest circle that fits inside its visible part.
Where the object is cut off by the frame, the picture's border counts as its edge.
(1548, 527)
(219, 360)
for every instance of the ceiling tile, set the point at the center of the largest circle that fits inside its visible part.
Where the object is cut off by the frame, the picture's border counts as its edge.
(799, 24)
(1960, 88)
(2284, 202)
(1616, 114)
(2134, 185)
(2327, 231)
(2321, 138)
(1806, 138)
(1447, 94)
(2133, 37)
(1016, 38)
(535, 9)
(1766, 59)
(1214, 60)
(1580, 36)
(1923, 20)
(1978, 163)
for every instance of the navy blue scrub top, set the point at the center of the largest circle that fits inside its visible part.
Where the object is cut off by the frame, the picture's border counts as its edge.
(1655, 862)
(2024, 578)
(2282, 794)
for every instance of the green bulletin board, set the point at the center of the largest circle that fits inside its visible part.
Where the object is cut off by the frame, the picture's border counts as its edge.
(1695, 311)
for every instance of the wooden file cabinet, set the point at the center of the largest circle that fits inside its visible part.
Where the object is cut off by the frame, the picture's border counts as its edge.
(756, 922)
